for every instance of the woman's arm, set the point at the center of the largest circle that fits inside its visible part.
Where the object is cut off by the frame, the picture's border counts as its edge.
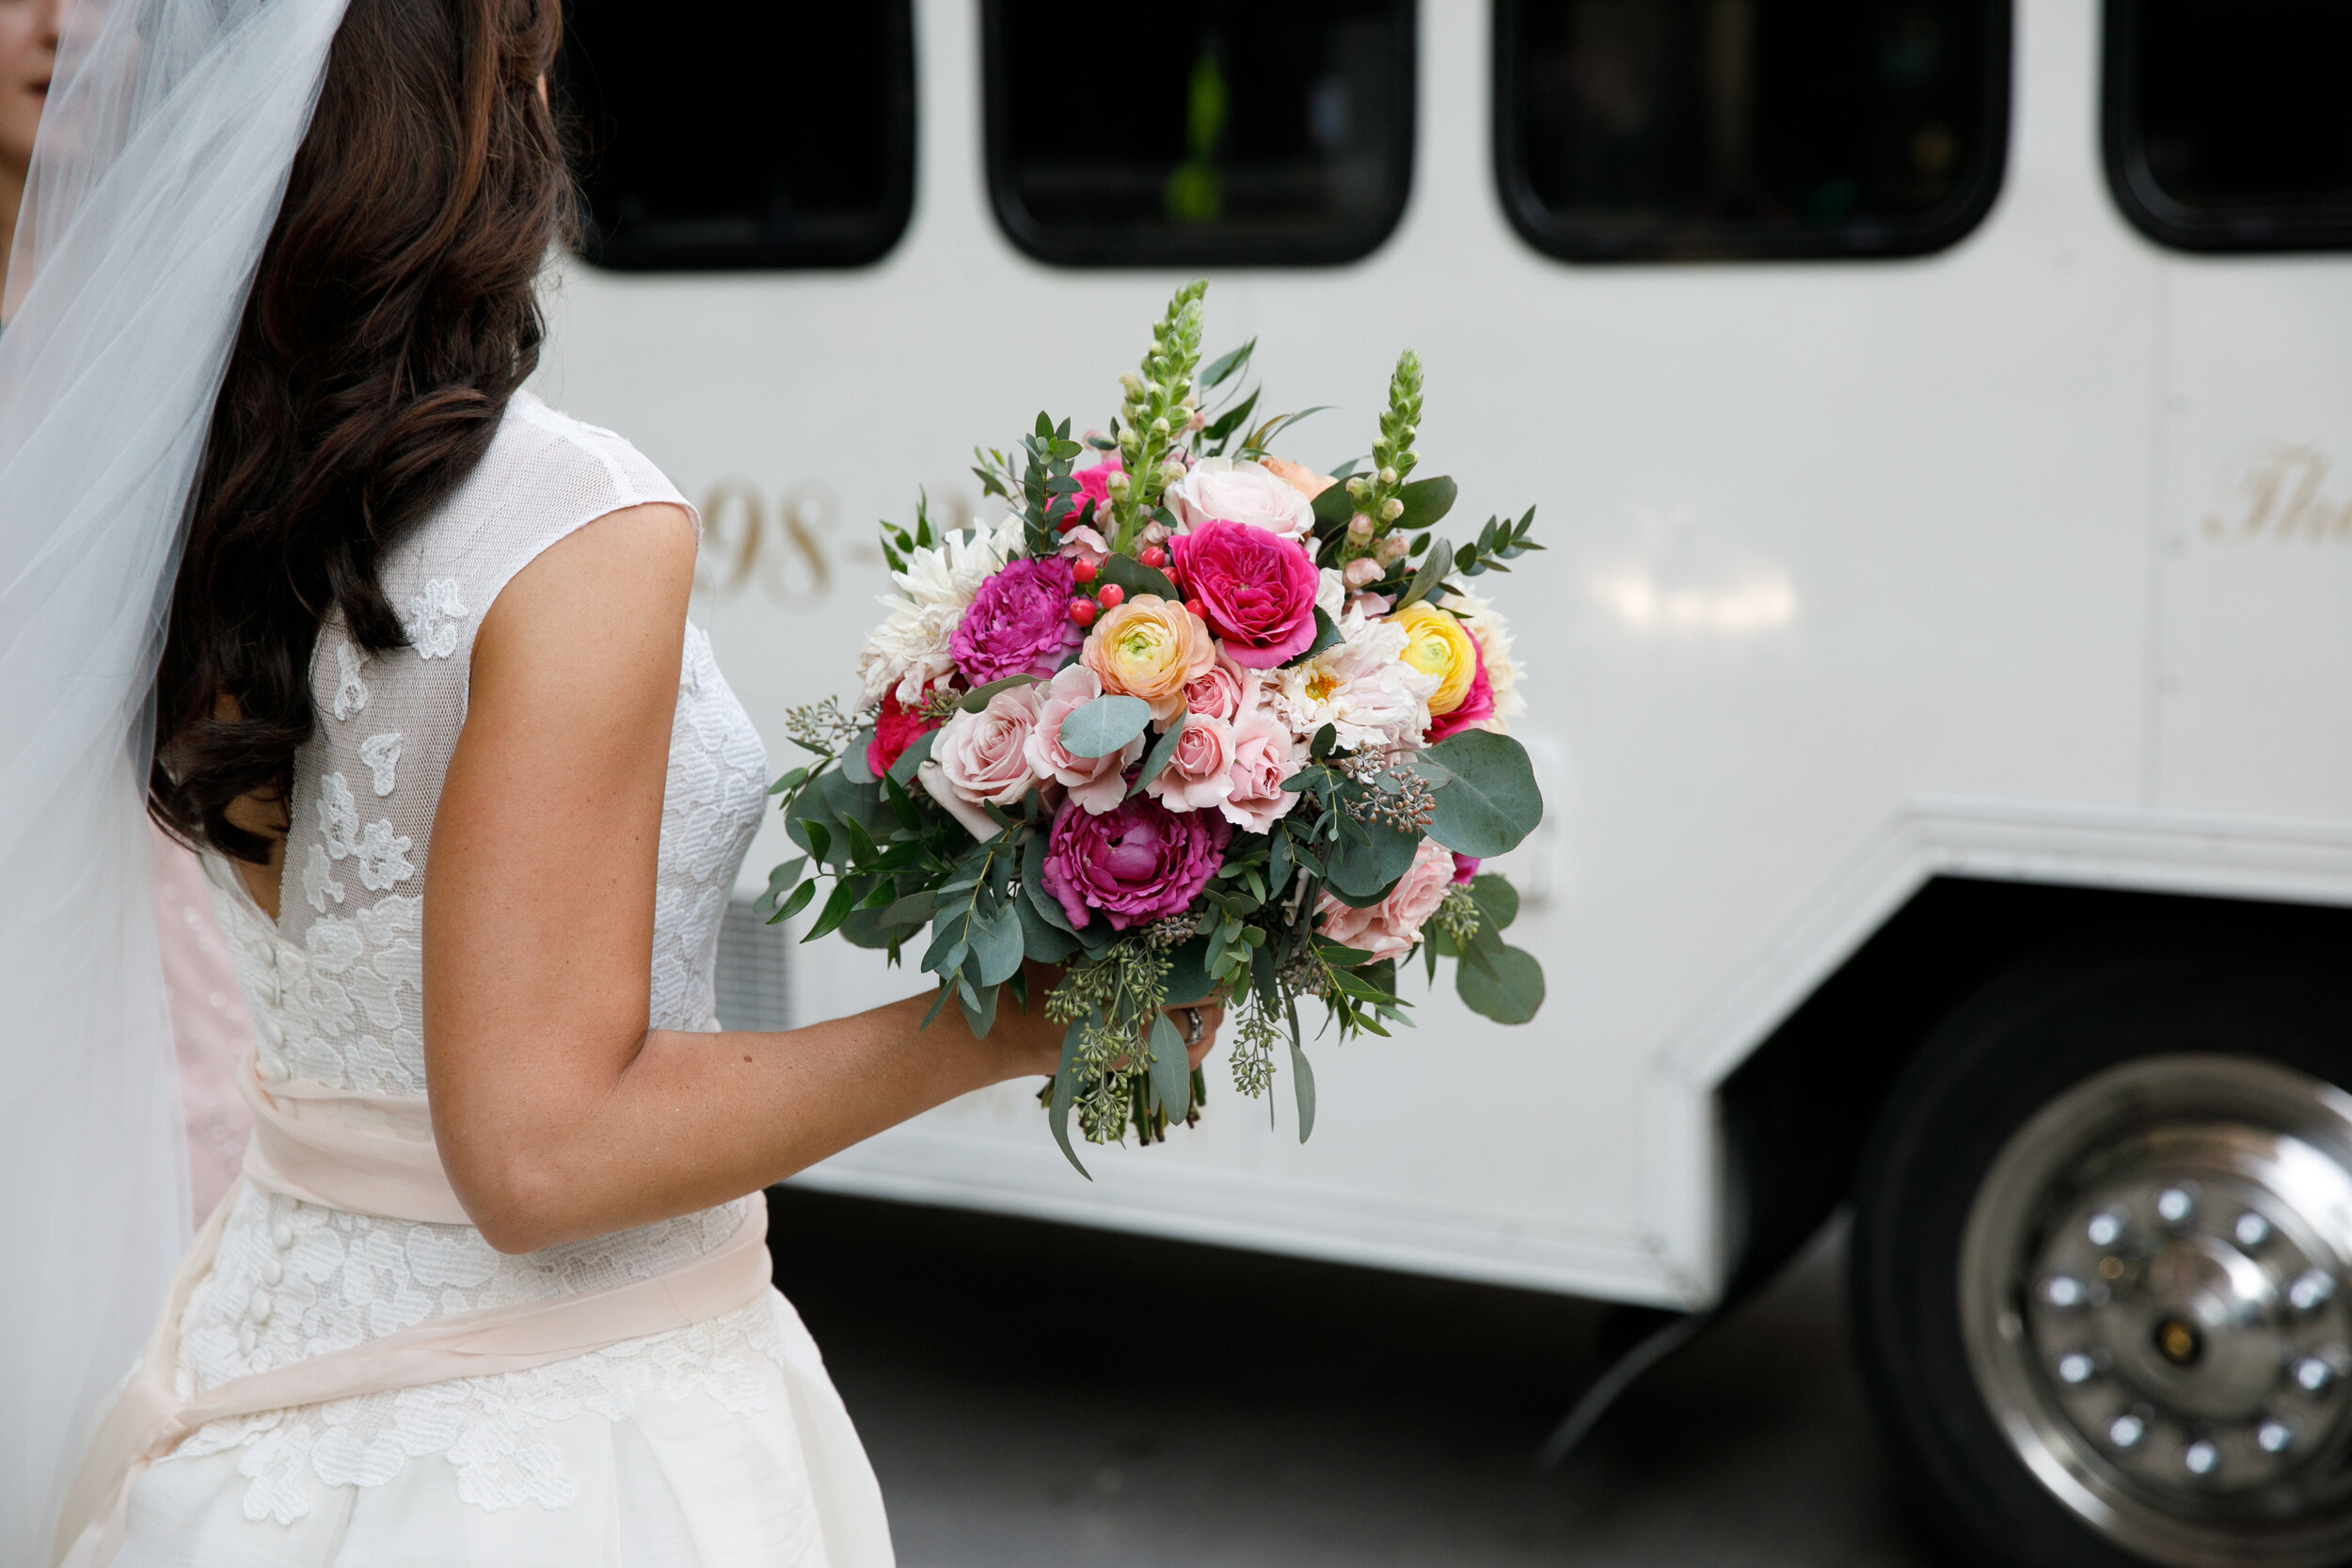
(559, 1114)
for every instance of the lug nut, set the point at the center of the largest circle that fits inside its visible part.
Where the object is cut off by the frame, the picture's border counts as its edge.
(2251, 1229)
(2173, 1205)
(2273, 1436)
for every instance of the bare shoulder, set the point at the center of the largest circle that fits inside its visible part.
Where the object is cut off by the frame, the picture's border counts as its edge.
(612, 592)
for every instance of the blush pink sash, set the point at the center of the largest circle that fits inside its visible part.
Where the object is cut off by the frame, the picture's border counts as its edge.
(368, 1154)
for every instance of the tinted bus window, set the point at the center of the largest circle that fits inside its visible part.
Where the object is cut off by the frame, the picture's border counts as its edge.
(1217, 133)
(2228, 123)
(723, 133)
(1690, 130)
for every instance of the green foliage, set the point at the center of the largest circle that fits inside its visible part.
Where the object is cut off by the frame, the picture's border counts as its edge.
(898, 543)
(1509, 990)
(1135, 577)
(1490, 801)
(1500, 541)
(1098, 728)
(1157, 414)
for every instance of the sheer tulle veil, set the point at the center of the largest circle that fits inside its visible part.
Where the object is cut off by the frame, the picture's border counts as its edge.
(161, 160)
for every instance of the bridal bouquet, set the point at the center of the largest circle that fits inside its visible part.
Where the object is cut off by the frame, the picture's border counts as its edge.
(1192, 721)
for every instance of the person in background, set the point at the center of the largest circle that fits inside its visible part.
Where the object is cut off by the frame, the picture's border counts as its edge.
(210, 1026)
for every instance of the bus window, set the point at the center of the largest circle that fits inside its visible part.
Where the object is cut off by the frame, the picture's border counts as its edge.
(1730, 130)
(2227, 123)
(732, 134)
(1215, 133)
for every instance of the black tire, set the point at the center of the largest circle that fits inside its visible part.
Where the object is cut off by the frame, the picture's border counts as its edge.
(2035, 1033)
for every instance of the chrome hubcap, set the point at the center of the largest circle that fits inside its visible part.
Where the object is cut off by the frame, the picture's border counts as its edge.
(2152, 1295)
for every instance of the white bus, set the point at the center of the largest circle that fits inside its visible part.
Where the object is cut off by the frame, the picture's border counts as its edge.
(1940, 667)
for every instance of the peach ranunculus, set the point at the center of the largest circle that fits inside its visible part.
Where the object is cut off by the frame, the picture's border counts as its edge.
(1390, 927)
(1151, 648)
(983, 756)
(1097, 783)
(1265, 753)
(1438, 645)
(1298, 476)
(1199, 774)
(1222, 690)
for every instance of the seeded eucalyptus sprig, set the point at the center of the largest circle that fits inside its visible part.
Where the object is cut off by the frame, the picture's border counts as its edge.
(1379, 504)
(1161, 402)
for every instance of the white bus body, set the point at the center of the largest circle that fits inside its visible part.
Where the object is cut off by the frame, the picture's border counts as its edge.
(2022, 561)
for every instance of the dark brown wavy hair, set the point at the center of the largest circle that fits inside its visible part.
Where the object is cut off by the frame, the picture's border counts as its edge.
(394, 313)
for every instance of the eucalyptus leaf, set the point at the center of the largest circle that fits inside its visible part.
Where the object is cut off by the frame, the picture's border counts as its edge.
(1492, 802)
(1098, 728)
(1498, 898)
(1135, 577)
(1303, 1084)
(1156, 759)
(1171, 1075)
(948, 943)
(1048, 907)
(1360, 869)
(996, 943)
(978, 696)
(918, 753)
(983, 1017)
(1066, 1094)
(1045, 944)
(854, 759)
(1333, 506)
(1426, 501)
(1511, 994)
(869, 928)
(1188, 973)
(1432, 572)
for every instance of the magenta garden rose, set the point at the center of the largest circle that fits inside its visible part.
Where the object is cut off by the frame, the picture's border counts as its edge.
(1018, 624)
(1134, 864)
(1256, 590)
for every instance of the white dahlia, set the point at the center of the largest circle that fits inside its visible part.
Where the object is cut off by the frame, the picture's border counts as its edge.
(909, 649)
(1361, 686)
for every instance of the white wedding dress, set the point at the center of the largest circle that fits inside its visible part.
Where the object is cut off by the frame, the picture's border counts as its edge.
(720, 1444)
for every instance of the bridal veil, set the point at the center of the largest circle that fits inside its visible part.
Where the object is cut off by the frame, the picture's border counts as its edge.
(162, 158)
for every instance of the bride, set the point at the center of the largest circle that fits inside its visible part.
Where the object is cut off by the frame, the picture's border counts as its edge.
(408, 651)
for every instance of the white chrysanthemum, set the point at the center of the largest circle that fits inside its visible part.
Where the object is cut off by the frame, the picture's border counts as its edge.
(1486, 623)
(1362, 688)
(910, 650)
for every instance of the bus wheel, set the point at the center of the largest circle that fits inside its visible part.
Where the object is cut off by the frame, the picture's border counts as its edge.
(2102, 1266)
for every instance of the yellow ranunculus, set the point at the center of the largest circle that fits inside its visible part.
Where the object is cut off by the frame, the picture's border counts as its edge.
(1437, 645)
(1149, 648)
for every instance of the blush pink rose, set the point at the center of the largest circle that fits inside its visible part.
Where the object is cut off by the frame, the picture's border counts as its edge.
(983, 756)
(1256, 590)
(1265, 753)
(1221, 690)
(1390, 927)
(1200, 771)
(1241, 491)
(1097, 783)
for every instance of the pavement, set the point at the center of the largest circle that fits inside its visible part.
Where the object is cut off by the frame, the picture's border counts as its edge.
(1046, 1396)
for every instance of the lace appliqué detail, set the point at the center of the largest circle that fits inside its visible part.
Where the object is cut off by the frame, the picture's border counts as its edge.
(339, 817)
(352, 999)
(431, 623)
(381, 752)
(351, 693)
(318, 879)
(382, 854)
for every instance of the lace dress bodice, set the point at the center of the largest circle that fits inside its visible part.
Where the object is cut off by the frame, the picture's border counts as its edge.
(335, 987)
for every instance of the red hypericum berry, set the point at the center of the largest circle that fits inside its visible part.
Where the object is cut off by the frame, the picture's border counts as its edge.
(1083, 571)
(1111, 595)
(1153, 557)
(1081, 611)
(1198, 614)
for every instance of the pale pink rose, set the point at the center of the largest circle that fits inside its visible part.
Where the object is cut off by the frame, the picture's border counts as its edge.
(1200, 771)
(1390, 927)
(1265, 753)
(1222, 690)
(1084, 544)
(1094, 783)
(1221, 489)
(983, 756)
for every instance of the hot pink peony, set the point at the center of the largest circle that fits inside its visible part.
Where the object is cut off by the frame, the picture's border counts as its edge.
(894, 730)
(1199, 772)
(1094, 783)
(1136, 863)
(1265, 753)
(983, 756)
(1018, 624)
(1256, 590)
(1390, 927)
(1478, 705)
